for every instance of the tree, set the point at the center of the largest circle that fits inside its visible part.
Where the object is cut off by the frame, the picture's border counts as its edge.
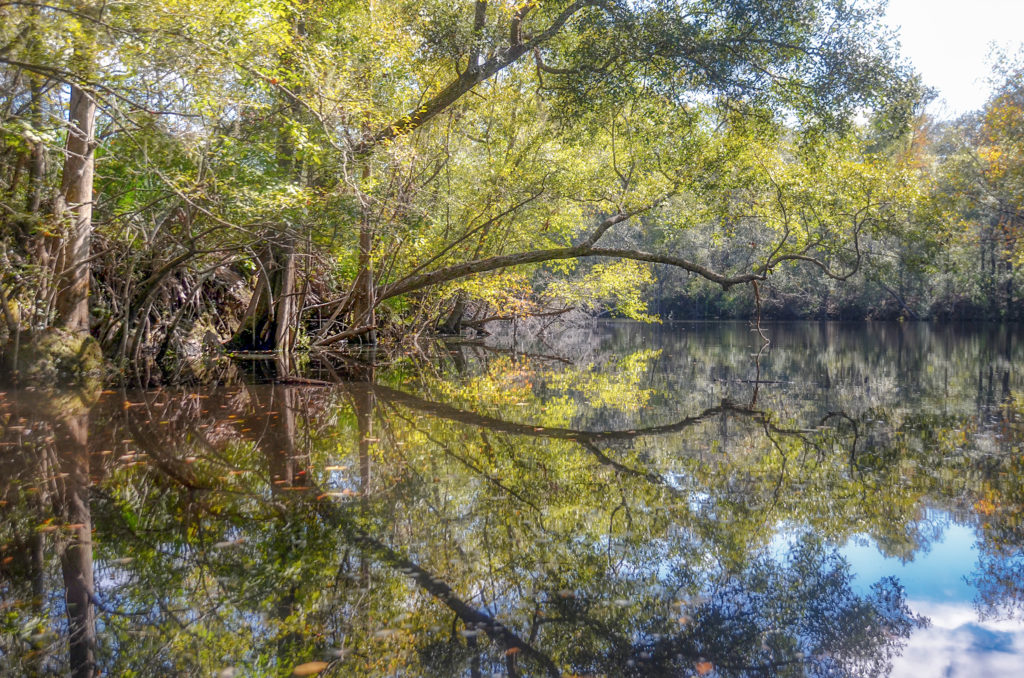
(76, 196)
(979, 189)
(598, 56)
(329, 156)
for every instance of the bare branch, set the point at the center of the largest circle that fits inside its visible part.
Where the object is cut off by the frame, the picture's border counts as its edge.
(516, 29)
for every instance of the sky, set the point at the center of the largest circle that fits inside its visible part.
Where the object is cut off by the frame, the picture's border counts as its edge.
(948, 42)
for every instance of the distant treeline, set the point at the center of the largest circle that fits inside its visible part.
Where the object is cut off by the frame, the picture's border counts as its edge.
(918, 296)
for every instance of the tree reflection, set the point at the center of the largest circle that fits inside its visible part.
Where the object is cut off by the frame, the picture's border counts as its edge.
(54, 443)
(483, 520)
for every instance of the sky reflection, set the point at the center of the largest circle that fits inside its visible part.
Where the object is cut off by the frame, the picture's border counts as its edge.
(958, 642)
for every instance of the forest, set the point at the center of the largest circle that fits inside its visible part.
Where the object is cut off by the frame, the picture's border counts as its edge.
(450, 338)
(292, 176)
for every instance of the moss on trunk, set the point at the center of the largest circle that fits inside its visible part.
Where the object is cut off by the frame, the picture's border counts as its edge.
(53, 358)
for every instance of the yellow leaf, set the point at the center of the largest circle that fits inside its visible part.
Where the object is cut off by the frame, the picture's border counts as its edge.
(309, 668)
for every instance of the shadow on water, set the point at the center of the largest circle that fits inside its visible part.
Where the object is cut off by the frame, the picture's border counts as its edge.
(625, 500)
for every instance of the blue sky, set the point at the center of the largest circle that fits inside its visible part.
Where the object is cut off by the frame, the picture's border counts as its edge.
(948, 41)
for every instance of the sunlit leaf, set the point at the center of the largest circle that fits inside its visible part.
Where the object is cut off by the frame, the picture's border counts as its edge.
(309, 668)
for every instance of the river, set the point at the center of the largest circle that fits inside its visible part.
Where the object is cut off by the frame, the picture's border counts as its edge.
(611, 500)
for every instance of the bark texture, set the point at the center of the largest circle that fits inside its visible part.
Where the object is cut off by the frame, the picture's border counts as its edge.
(272, 318)
(72, 302)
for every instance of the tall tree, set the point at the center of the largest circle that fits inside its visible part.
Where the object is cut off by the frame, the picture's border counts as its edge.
(769, 58)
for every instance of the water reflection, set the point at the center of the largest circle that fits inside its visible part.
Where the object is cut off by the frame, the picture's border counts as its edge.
(640, 502)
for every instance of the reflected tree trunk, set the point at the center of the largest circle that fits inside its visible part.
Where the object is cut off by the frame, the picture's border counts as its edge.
(285, 461)
(364, 399)
(364, 402)
(277, 422)
(436, 587)
(76, 556)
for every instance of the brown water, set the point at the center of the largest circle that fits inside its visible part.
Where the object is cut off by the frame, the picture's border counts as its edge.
(620, 500)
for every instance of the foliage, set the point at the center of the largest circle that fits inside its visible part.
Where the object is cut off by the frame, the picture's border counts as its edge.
(361, 152)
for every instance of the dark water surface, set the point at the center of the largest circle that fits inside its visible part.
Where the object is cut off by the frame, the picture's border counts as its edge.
(624, 500)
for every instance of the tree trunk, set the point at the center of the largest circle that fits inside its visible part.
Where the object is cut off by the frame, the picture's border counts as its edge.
(271, 321)
(364, 293)
(287, 317)
(72, 301)
(453, 325)
(37, 163)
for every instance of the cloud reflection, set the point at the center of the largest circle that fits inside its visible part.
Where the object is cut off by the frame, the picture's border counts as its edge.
(957, 645)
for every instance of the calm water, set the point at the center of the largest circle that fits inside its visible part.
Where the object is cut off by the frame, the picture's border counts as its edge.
(619, 500)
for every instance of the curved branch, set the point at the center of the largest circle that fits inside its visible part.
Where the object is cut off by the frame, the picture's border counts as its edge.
(470, 78)
(436, 587)
(775, 260)
(413, 283)
(726, 281)
(443, 411)
(515, 37)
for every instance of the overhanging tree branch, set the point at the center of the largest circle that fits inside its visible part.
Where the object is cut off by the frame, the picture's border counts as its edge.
(587, 248)
(472, 76)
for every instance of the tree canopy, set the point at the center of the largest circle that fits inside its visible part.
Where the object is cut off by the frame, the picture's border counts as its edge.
(288, 175)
